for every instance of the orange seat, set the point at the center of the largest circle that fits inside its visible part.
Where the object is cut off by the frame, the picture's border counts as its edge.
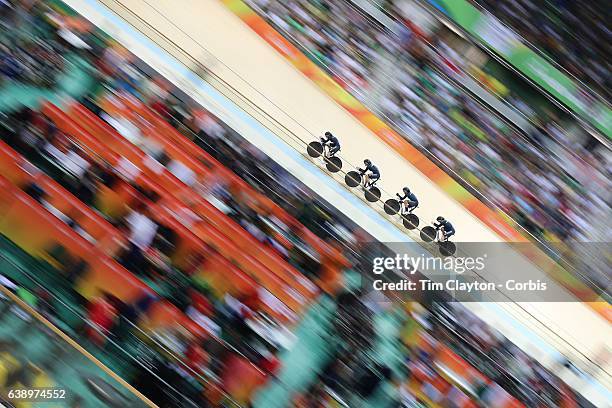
(189, 243)
(12, 167)
(166, 181)
(24, 216)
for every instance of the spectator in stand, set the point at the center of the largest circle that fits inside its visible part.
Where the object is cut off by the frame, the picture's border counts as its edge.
(196, 357)
(207, 127)
(179, 170)
(129, 314)
(102, 314)
(201, 311)
(28, 59)
(161, 108)
(142, 232)
(87, 186)
(268, 361)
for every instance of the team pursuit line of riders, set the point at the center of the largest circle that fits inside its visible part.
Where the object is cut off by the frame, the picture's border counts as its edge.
(367, 177)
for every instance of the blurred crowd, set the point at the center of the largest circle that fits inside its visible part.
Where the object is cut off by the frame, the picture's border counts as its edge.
(556, 185)
(574, 34)
(29, 55)
(149, 252)
(226, 341)
(419, 365)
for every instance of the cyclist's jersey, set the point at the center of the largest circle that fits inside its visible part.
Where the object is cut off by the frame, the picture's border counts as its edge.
(447, 227)
(332, 140)
(372, 168)
(410, 197)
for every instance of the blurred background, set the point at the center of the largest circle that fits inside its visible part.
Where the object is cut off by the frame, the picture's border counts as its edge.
(183, 266)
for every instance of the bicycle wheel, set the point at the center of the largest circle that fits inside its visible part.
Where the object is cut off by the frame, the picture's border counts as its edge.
(372, 194)
(428, 234)
(447, 248)
(392, 206)
(352, 179)
(315, 149)
(411, 221)
(333, 164)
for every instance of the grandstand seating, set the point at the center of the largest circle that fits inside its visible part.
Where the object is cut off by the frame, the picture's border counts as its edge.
(188, 243)
(25, 215)
(189, 150)
(165, 182)
(107, 238)
(13, 168)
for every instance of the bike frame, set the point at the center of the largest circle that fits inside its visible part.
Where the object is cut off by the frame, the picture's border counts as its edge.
(325, 149)
(405, 209)
(365, 179)
(440, 235)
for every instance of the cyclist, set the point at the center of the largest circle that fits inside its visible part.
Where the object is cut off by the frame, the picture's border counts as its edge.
(445, 229)
(333, 143)
(371, 177)
(409, 200)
